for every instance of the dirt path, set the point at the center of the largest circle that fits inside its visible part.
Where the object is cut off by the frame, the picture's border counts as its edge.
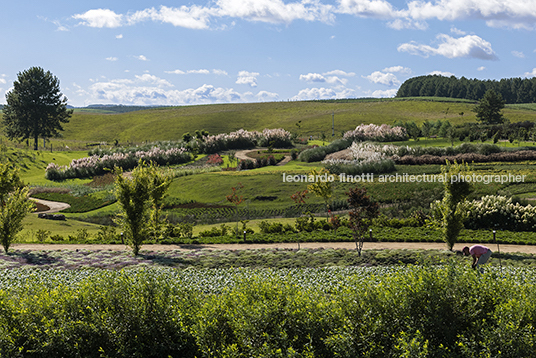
(529, 249)
(53, 206)
(242, 155)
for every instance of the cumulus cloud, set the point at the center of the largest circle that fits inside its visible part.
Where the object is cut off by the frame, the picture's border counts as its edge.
(518, 54)
(141, 58)
(399, 69)
(323, 93)
(413, 15)
(325, 78)
(531, 74)
(384, 94)
(100, 18)
(442, 73)
(111, 59)
(481, 68)
(2, 79)
(148, 89)
(247, 78)
(383, 78)
(470, 46)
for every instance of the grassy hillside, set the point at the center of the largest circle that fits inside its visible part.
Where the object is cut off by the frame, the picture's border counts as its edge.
(315, 116)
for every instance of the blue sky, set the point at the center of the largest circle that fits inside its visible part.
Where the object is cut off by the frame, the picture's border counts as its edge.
(177, 53)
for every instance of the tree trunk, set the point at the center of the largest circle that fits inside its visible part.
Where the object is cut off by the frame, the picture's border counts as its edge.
(36, 144)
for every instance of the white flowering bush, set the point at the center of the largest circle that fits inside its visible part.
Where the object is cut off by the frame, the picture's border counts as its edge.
(499, 212)
(367, 158)
(243, 139)
(381, 133)
(97, 165)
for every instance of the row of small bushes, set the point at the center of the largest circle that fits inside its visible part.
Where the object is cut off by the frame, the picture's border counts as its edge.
(246, 164)
(317, 154)
(446, 311)
(516, 156)
(357, 168)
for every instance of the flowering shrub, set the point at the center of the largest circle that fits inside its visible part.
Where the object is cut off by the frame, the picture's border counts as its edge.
(96, 165)
(243, 139)
(382, 133)
(367, 158)
(215, 159)
(495, 211)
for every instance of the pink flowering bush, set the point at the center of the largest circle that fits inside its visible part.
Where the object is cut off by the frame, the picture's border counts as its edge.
(97, 165)
(243, 139)
(381, 133)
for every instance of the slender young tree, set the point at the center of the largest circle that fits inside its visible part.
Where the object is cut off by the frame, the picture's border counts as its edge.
(363, 210)
(138, 195)
(14, 205)
(35, 107)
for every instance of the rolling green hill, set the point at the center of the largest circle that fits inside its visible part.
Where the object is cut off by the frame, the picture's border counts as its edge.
(316, 117)
(170, 123)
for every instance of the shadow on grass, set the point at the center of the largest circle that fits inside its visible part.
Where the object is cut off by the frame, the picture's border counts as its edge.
(30, 258)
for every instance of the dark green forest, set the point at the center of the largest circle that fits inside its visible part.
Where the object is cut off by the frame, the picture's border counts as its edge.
(513, 90)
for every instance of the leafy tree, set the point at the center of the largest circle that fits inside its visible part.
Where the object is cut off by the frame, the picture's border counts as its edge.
(138, 195)
(14, 205)
(363, 210)
(451, 211)
(35, 106)
(236, 199)
(322, 186)
(488, 111)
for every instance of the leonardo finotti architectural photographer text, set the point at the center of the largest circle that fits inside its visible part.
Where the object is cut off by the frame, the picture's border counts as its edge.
(405, 178)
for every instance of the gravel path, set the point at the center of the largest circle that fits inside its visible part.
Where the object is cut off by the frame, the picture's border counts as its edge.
(529, 249)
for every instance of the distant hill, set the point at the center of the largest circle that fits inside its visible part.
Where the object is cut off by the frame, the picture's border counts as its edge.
(304, 118)
(112, 108)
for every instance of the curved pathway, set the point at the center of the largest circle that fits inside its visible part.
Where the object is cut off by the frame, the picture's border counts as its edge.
(53, 206)
(242, 155)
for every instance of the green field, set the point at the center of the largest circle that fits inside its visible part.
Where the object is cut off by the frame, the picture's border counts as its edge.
(264, 191)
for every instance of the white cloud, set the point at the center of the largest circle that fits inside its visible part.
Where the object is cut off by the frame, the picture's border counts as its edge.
(442, 73)
(153, 80)
(457, 31)
(518, 54)
(200, 72)
(247, 78)
(111, 59)
(531, 74)
(401, 24)
(339, 73)
(470, 46)
(275, 11)
(194, 17)
(496, 13)
(100, 18)
(368, 8)
(316, 77)
(481, 68)
(120, 36)
(176, 72)
(399, 69)
(265, 96)
(312, 77)
(517, 14)
(383, 78)
(141, 58)
(2, 79)
(323, 93)
(219, 72)
(384, 94)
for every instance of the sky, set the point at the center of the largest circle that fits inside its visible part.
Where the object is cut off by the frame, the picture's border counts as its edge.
(235, 51)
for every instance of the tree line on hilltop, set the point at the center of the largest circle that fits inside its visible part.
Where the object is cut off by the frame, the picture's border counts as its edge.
(512, 90)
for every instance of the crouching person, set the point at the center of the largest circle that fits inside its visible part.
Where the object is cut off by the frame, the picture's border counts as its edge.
(480, 254)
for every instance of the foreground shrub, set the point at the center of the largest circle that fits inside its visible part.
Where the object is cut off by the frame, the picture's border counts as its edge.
(445, 311)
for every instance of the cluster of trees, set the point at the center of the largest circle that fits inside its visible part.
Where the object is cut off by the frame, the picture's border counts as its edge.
(512, 90)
